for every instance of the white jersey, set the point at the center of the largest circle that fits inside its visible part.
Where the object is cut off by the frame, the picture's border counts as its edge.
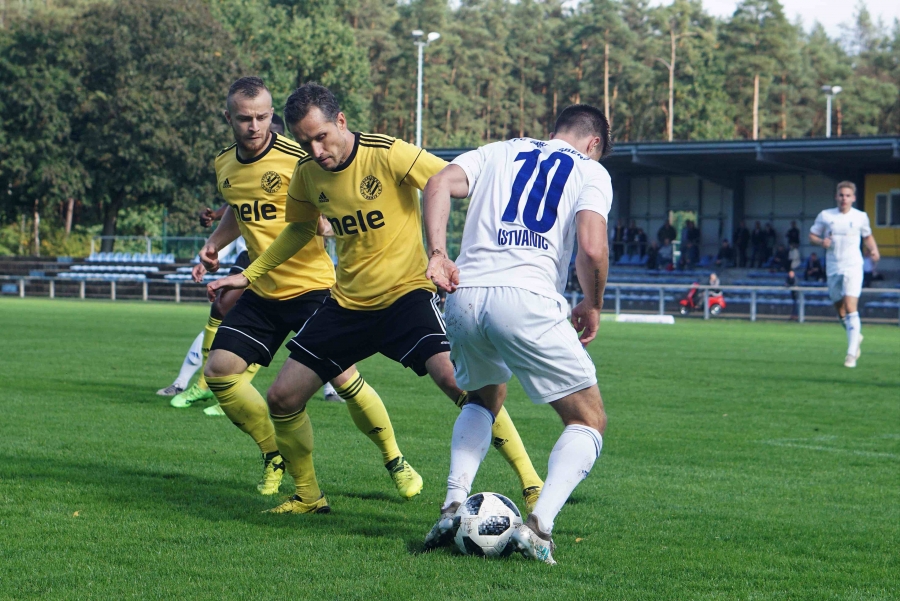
(846, 231)
(520, 226)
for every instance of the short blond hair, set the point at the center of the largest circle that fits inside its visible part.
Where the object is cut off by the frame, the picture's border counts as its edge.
(845, 184)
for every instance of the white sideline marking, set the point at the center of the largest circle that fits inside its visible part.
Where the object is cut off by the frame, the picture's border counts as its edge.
(810, 447)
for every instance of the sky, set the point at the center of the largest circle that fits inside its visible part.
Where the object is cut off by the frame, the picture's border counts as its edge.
(830, 13)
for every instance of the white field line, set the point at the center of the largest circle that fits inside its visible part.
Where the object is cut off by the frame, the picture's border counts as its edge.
(797, 445)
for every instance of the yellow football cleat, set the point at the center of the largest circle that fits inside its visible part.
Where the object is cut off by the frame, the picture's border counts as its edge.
(296, 505)
(273, 472)
(531, 496)
(406, 479)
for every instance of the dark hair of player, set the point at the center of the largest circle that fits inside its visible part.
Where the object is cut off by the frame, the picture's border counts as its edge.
(307, 96)
(248, 87)
(585, 120)
(277, 124)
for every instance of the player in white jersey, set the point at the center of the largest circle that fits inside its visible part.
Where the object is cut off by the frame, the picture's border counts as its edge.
(507, 315)
(839, 231)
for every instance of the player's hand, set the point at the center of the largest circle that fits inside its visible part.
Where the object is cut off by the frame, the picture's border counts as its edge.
(875, 255)
(237, 281)
(826, 242)
(198, 272)
(443, 272)
(209, 257)
(207, 217)
(586, 320)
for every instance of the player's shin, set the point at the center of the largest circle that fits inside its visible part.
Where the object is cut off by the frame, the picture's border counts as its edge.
(370, 415)
(209, 334)
(295, 442)
(570, 462)
(192, 362)
(506, 439)
(470, 443)
(245, 407)
(853, 325)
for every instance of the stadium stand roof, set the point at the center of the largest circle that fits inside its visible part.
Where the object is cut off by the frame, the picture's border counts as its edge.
(724, 162)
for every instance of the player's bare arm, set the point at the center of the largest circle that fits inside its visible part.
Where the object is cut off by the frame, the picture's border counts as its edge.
(824, 242)
(451, 182)
(208, 216)
(226, 233)
(288, 243)
(872, 247)
(592, 267)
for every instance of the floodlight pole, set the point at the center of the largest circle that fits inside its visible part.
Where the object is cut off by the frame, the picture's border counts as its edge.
(421, 41)
(830, 92)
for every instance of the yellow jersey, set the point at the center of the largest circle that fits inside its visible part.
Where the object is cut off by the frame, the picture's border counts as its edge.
(256, 190)
(373, 207)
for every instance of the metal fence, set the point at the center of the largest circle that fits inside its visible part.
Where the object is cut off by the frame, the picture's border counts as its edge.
(624, 298)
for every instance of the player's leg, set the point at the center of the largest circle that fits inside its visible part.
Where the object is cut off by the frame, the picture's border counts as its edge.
(250, 333)
(504, 435)
(852, 322)
(571, 460)
(287, 398)
(192, 362)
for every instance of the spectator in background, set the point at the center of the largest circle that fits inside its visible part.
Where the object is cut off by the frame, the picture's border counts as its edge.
(618, 241)
(725, 258)
(814, 270)
(665, 254)
(630, 236)
(741, 241)
(793, 235)
(653, 256)
(758, 244)
(693, 234)
(790, 282)
(641, 241)
(771, 240)
(666, 232)
(780, 261)
(794, 257)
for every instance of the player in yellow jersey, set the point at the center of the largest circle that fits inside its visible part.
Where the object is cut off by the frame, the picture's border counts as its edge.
(253, 176)
(366, 185)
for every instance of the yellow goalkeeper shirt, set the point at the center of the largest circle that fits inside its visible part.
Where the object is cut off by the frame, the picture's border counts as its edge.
(256, 190)
(372, 203)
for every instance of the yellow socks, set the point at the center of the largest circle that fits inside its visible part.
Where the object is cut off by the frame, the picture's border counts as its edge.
(209, 333)
(246, 408)
(370, 416)
(506, 439)
(295, 442)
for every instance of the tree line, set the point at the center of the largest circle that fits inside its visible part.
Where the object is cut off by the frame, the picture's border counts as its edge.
(110, 112)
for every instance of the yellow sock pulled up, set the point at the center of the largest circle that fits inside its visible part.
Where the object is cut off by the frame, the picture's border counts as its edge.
(370, 415)
(294, 436)
(245, 407)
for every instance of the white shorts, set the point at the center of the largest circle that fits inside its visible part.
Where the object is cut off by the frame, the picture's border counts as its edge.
(845, 284)
(499, 331)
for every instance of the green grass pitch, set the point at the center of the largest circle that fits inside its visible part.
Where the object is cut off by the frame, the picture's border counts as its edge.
(741, 461)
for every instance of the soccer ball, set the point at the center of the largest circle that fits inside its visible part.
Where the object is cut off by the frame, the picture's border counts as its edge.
(486, 522)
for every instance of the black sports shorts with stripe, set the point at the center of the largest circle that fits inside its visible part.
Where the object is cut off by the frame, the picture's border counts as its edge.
(240, 264)
(255, 327)
(410, 331)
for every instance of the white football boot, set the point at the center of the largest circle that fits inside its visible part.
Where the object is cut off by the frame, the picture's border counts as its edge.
(533, 543)
(442, 533)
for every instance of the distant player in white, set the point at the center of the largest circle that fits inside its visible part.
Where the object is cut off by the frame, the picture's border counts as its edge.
(839, 231)
(507, 315)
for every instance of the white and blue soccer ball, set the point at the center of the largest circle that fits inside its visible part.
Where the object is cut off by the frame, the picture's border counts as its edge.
(486, 523)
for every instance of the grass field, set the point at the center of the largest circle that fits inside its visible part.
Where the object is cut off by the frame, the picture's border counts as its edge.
(742, 461)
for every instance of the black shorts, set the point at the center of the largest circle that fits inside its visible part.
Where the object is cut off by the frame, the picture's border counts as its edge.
(410, 332)
(241, 263)
(255, 327)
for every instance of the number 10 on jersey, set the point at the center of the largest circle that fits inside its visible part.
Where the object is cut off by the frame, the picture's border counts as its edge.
(540, 193)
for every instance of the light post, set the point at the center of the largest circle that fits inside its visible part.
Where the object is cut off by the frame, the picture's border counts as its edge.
(830, 92)
(418, 40)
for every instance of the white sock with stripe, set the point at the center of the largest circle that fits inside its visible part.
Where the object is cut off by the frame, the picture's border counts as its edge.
(192, 362)
(853, 325)
(470, 443)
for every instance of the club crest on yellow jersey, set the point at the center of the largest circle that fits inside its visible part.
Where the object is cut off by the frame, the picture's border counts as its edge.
(270, 182)
(370, 187)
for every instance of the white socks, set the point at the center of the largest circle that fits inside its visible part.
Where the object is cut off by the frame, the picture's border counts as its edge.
(470, 443)
(852, 325)
(570, 462)
(192, 362)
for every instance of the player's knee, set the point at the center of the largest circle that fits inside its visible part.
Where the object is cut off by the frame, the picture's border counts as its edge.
(282, 400)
